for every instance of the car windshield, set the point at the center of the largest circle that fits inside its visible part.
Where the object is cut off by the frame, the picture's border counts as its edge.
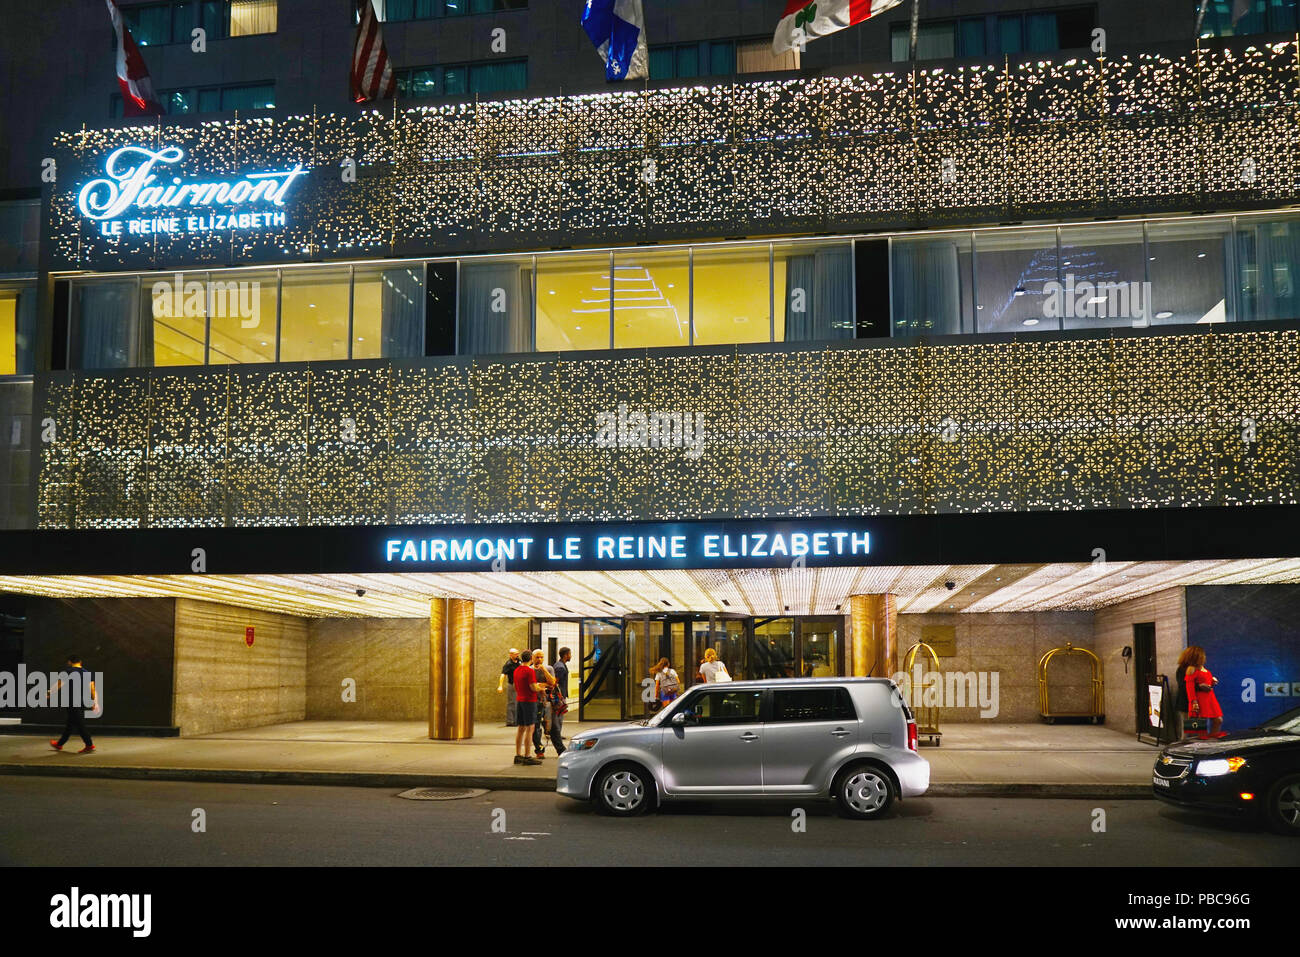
(662, 715)
(1288, 721)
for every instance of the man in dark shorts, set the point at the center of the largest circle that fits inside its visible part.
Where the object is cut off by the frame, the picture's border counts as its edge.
(80, 694)
(526, 688)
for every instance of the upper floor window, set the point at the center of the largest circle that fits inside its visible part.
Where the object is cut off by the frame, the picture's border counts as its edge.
(996, 34)
(156, 24)
(462, 79)
(211, 99)
(1235, 18)
(684, 61)
(391, 10)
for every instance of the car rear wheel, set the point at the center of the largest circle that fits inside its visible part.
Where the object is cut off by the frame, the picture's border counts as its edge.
(864, 791)
(623, 790)
(1283, 807)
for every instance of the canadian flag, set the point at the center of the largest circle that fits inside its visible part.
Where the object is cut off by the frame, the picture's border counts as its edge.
(806, 20)
(132, 75)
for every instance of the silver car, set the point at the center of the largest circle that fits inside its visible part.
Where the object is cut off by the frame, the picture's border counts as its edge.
(852, 739)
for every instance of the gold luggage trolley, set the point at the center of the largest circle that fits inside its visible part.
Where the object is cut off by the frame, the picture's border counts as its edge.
(1098, 713)
(927, 719)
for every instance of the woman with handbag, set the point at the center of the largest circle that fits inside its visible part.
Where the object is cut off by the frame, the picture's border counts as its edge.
(1200, 682)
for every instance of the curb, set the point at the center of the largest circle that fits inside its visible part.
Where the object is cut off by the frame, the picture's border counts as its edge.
(506, 782)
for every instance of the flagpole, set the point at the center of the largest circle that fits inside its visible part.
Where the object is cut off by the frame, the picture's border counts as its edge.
(916, 18)
(1200, 18)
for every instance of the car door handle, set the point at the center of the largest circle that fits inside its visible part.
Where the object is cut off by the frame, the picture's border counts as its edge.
(839, 733)
(749, 736)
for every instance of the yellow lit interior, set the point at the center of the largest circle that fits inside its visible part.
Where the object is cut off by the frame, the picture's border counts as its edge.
(652, 300)
(248, 17)
(251, 338)
(314, 317)
(8, 333)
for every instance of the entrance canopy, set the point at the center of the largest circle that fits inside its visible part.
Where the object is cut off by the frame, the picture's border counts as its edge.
(770, 591)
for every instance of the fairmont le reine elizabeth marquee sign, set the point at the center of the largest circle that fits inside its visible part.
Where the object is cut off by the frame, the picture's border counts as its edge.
(139, 196)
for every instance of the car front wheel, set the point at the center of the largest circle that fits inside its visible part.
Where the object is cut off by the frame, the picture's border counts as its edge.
(1283, 806)
(623, 790)
(864, 792)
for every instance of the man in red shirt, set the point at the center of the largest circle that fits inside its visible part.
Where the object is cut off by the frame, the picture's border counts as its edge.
(526, 688)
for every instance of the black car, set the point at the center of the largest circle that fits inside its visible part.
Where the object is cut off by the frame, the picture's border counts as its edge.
(1248, 772)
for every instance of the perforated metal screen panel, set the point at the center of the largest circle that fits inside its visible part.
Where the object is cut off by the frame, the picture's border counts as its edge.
(1207, 129)
(1113, 422)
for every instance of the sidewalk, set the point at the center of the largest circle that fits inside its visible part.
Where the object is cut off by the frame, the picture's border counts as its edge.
(975, 759)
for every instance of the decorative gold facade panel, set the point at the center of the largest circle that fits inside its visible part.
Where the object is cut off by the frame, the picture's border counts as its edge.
(1117, 421)
(1084, 137)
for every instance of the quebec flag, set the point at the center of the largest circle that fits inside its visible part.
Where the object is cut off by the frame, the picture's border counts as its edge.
(617, 28)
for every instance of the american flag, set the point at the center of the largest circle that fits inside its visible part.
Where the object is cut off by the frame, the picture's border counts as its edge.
(372, 74)
(138, 98)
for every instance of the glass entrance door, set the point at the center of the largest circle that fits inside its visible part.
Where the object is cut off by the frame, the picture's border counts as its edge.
(600, 666)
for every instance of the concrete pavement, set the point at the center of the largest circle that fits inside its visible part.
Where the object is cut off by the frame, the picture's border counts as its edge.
(977, 759)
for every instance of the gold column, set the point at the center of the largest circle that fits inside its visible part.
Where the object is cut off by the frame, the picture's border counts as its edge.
(451, 669)
(873, 625)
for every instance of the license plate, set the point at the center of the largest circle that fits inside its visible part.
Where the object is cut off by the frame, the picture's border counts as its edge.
(1159, 781)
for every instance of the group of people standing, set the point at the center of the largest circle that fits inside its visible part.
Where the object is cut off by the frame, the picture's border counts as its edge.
(536, 701)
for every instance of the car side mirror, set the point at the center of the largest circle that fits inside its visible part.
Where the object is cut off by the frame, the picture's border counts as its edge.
(684, 718)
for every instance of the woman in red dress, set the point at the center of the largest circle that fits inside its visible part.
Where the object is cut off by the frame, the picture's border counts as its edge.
(1200, 693)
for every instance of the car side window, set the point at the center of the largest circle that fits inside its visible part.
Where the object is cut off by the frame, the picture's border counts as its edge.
(726, 707)
(812, 704)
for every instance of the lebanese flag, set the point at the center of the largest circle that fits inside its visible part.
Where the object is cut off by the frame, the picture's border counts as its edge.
(810, 19)
(138, 98)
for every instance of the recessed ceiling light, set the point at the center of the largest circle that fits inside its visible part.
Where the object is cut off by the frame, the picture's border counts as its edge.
(1030, 322)
(1200, 255)
(1164, 315)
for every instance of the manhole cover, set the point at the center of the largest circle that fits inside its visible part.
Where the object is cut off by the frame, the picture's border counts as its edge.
(441, 794)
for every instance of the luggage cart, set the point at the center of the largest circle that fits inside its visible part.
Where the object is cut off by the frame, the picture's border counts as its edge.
(1098, 712)
(927, 719)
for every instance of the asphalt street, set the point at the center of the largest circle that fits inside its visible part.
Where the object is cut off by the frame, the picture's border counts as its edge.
(78, 822)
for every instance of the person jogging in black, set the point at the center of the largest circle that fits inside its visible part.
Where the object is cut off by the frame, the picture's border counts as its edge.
(79, 677)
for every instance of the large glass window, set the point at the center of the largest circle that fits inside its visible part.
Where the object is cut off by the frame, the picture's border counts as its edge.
(817, 292)
(242, 306)
(1268, 263)
(573, 303)
(1103, 277)
(150, 24)
(733, 295)
(1188, 265)
(314, 315)
(496, 307)
(772, 652)
(105, 331)
(388, 312)
(259, 96)
(1228, 18)
(174, 310)
(17, 328)
(931, 285)
(1012, 275)
(651, 300)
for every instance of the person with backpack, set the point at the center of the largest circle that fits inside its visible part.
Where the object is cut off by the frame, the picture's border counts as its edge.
(667, 685)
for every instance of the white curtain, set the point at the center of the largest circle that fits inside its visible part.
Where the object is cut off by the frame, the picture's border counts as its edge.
(248, 17)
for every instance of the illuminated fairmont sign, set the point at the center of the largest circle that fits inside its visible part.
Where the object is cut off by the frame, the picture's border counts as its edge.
(133, 199)
(630, 546)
